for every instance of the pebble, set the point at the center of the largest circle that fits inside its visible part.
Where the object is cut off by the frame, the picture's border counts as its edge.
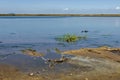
(38, 72)
(84, 31)
(31, 74)
(86, 78)
(70, 74)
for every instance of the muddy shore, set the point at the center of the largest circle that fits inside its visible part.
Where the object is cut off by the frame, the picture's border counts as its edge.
(101, 63)
(11, 73)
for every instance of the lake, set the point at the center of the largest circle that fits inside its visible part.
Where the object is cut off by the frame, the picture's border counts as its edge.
(39, 33)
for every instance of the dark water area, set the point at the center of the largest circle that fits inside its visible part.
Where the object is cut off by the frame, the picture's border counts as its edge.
(18, 33)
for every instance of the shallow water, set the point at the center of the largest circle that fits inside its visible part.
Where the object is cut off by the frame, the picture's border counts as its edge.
(18, 33)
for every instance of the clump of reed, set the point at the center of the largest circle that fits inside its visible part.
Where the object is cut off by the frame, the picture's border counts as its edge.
(69, 38)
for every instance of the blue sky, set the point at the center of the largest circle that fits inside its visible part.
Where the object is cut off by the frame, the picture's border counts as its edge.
(59, 6)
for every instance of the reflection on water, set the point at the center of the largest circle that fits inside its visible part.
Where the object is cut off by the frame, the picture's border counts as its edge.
(18, 33)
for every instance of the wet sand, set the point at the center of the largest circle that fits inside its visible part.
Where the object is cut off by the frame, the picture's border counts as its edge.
(101, 52)
(95, 64)
(11, 73)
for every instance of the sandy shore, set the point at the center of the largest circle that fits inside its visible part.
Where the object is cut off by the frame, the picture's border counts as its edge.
(101, 52)
(11, 73)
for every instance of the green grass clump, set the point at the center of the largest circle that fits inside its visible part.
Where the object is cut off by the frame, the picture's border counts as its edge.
(70, 38)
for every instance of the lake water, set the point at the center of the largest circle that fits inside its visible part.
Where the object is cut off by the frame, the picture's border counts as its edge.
(18, 33)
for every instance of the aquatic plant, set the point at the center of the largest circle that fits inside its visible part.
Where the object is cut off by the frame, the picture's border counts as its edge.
(32, 52)
(57, 50)
(69, 38)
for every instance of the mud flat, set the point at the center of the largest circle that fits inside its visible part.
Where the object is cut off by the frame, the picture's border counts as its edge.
(105, 62)
(11, 73)
(101, 63)
(101, 52)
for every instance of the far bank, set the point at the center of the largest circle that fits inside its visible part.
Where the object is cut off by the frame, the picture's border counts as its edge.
(79, 15)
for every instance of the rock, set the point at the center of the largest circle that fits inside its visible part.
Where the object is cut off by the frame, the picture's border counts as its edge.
(38, 72)
(31, 74)
(70, 74)
(84, 31)
(86, 78)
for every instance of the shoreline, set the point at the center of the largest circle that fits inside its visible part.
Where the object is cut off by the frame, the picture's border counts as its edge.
(77, 15)
(94, 63)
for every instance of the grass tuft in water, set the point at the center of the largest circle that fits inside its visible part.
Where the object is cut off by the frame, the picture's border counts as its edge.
(69, 38)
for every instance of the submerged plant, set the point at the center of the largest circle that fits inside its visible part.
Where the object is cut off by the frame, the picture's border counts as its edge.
(69, 38)
(57, 50)
(32, 52)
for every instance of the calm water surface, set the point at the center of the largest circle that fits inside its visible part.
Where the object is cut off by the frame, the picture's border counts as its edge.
(18, 33)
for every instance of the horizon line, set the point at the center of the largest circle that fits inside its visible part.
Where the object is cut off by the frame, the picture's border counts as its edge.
(58, 14)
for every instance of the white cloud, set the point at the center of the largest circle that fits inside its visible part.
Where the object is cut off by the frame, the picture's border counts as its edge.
(66, 9)
(117, 8)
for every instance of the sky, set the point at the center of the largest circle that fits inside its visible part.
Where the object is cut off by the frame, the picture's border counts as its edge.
(59, 6)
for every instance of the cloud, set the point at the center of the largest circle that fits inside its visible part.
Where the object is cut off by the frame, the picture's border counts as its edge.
(66, 9)
(117, 8)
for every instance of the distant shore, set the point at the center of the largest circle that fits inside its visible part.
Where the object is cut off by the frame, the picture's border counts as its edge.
(80, 15)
